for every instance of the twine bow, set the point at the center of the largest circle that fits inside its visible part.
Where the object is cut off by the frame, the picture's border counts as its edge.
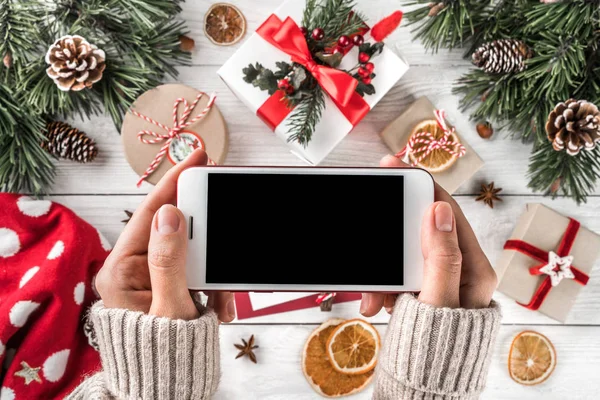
(172, 133)
(431, 143)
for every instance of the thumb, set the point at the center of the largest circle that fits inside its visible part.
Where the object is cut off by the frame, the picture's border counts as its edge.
(443, 259)
(166, 260)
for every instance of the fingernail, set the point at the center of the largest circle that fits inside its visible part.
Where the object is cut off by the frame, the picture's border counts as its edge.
(443, 217)
(364, 304)
(168, 220)
(231, 309)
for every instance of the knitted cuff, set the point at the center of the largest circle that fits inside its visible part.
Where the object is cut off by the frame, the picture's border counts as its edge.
(144, 356)
(434, 352)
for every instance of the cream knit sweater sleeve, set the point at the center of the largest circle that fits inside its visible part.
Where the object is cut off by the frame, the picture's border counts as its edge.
(147, 357)
(434, 353)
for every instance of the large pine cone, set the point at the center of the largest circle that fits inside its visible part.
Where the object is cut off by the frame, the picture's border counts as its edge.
(502, 56)
(574, 125)
(75, 64)
(64, 141)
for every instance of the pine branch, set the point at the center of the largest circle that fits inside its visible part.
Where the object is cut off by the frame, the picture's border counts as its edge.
(453, 25)
(577, 174)
(335, 17)
(24, 166)
(305, 117)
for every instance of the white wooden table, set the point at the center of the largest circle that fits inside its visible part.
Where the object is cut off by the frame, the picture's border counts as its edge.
(99, 192)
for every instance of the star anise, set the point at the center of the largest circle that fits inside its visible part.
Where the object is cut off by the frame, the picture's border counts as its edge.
(247, 349)
(489, 194)
(129, 214)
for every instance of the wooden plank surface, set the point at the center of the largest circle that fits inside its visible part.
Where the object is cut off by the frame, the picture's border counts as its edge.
(278, 374)
(99, 192)
(492, 227)
(252, 143)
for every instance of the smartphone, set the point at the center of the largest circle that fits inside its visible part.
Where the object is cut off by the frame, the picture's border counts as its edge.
(304, 229)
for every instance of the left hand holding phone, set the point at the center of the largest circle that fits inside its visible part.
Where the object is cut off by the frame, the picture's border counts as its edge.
(146, 269)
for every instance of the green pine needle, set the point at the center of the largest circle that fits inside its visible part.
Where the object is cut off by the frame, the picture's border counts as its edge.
(565, 40)
(141, 42)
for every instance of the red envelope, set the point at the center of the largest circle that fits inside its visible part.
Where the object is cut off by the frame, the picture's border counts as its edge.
(245, 310)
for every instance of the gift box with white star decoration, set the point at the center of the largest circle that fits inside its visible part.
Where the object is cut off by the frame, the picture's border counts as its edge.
(547, 261)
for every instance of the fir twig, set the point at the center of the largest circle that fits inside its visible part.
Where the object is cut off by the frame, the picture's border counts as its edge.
(305, 117)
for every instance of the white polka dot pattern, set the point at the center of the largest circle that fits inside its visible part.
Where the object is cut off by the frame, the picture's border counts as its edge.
(32, 207)
(57, 250)
(9, 243)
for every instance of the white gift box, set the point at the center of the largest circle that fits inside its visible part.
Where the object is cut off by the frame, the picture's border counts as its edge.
(333, 125)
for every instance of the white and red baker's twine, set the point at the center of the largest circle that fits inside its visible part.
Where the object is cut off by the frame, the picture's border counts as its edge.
(431, 143)
(324, 297)
(172, 133)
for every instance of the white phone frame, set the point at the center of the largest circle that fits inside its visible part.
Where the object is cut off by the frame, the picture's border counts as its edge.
(192, 193)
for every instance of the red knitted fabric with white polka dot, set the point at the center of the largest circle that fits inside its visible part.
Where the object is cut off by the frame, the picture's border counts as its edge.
(48, 260)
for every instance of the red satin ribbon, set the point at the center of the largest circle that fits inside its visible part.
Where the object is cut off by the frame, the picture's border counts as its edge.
(564, 248)
(287, 37)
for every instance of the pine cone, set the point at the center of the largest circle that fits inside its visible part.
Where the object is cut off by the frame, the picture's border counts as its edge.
(67, 142)
(574, 125)
(502, 56)
(75, 64)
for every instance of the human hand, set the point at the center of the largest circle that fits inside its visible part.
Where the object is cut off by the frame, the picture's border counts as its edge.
(146, 269)
(456, 272)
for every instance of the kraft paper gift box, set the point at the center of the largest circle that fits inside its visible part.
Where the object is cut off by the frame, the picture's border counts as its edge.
(397, 134)
(547, 230)
(333, 126)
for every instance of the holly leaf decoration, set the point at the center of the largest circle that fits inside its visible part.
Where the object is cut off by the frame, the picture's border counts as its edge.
(283, 69)
(251, 72)
(363, 88)
(372, 49)
(333, 60)
(260, 77)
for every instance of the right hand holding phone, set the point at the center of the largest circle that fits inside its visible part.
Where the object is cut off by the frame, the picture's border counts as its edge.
(457, 273)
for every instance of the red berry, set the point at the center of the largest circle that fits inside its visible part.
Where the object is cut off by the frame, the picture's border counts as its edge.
(363, 57)
(344, 41)
(337, 49)
(318, 34)
(363, 72)
(283, 84)
(358, 40)
(370, 66)
(367, 80)
(304, 30)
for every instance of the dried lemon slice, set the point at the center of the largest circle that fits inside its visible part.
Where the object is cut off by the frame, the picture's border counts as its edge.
(438, 160)
(532, 358)
(224, 24)
(319, 371)
(353, 346)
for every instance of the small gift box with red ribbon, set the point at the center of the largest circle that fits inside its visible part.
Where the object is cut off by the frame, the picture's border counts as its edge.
(547, 261)
(275, 70)
(423, 137)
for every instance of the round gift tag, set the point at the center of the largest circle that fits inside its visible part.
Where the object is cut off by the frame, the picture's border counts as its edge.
(153, 113)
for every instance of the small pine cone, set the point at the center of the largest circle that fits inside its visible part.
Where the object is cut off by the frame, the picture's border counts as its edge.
(64, 141)
(574, 125)
(74, 63)
(502, 56)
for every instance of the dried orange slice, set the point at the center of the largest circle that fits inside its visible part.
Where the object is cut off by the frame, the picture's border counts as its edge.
(438, 160)
(319, 371)
(224, 24)
(531, 359)
(353, 346)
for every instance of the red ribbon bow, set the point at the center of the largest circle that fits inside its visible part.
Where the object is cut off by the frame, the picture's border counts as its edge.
(339, 85)
(542, 256)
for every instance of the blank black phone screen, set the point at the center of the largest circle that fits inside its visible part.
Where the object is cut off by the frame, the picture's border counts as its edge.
(305, 229)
